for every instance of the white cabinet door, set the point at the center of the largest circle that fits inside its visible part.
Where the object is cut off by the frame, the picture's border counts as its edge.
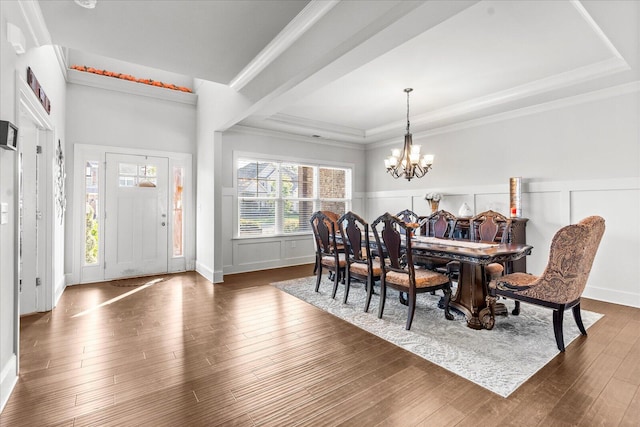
(136, 215)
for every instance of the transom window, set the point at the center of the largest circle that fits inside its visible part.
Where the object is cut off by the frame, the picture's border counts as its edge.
(279, 197)
(137, 175)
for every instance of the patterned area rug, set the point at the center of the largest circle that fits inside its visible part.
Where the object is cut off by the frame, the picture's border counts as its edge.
(499, 360)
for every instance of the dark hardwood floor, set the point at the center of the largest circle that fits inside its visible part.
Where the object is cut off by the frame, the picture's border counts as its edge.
(184, 352)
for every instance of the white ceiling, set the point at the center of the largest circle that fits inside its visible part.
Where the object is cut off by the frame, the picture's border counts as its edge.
(340, 71)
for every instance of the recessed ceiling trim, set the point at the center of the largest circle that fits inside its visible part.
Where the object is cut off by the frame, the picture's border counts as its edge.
(610, 92)
(315, 10)
(582, 74)
(315, 125)
(292, 137)
(595, 27)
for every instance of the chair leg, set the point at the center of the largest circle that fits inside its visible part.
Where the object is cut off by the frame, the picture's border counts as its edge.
(412, 308)
(319, 276)
(578, 318)
(516, 309)
(383, 297)
(336, 280)
(558, 314)
(403, 298)
(369, 293)
(447, 299)
(347, 283)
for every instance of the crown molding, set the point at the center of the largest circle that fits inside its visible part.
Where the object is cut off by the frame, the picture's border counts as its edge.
(288, 123)
(35, 22)
(132, 88)
(311, 14)
(293, 137)
(558, 81)
(317, 127)
(610, 92)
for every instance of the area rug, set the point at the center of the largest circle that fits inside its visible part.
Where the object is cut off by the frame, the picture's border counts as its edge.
(499, 360)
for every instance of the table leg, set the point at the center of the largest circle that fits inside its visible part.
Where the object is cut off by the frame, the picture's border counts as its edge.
(470, 297)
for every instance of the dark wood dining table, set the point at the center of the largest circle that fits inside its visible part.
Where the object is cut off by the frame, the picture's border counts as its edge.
(471, 292)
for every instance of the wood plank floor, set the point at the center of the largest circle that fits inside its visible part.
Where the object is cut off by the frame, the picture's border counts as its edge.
(184, 352)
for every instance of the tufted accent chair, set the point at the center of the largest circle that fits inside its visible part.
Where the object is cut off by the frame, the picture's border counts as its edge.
(398, 270)
(560, 286)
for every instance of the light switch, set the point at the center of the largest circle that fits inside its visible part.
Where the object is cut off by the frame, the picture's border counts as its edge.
(4, 213)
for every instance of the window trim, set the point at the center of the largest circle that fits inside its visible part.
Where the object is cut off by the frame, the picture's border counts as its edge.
(237, 155)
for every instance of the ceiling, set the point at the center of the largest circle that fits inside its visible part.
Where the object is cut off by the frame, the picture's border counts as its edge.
(337, 69)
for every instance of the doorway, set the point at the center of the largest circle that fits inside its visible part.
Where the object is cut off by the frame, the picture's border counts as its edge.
(32, 216)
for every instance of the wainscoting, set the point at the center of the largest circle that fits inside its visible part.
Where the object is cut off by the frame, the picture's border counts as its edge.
(549, 206)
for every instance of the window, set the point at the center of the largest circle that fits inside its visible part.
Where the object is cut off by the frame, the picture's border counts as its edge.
(135, 175)
(91, 213)
(279, 197)
(178, 173)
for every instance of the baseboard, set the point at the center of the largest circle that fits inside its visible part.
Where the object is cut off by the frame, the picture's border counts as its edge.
(615, 297)
(59, 290)
(205, 271)
(8, 380)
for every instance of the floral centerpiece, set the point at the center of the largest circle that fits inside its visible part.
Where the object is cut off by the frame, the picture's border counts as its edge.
(434, 200)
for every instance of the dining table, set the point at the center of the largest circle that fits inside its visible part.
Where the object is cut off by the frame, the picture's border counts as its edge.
(473, 256)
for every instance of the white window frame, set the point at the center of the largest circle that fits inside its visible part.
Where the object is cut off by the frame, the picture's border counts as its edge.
(260, 157)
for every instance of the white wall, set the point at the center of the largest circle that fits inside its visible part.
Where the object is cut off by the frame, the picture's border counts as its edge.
(248, 254)
(44, 63)
(577, 157)
(216, 105)
(116, 119)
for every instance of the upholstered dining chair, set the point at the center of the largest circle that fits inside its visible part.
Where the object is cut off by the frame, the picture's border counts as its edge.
(334, 217)
(488, 226)
(560, 287)
(361, 264)
(327, 253)
(398, 269)
(409, 216)
(439, 224)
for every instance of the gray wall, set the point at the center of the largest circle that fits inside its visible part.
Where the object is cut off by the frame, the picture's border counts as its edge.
(577, 157)
(249, 254)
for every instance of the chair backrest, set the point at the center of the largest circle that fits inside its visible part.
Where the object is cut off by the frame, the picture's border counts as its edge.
(389, 231)
(408, 215)
(490, 226)
(439, 224)
(355, 234)
(573, 249)
(333, 217)
(324, 230)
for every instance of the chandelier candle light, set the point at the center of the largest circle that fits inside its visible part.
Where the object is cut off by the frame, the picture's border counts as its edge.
(408, 162)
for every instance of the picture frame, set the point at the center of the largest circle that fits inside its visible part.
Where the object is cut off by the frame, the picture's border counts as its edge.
(8, 136)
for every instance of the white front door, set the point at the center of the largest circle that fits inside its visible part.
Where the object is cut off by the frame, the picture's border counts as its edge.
(135, 215)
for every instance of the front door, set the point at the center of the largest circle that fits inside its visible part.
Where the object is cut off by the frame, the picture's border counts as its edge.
(135, 215)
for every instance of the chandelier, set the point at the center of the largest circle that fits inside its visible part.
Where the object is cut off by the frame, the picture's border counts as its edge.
(408, 162)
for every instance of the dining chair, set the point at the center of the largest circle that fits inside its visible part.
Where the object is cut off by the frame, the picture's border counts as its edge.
(409, 216)
(560, 287)
(439, 224)
(333, 217)
(398, 269)
(327, 253)
(488, 226)
(362, 264)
